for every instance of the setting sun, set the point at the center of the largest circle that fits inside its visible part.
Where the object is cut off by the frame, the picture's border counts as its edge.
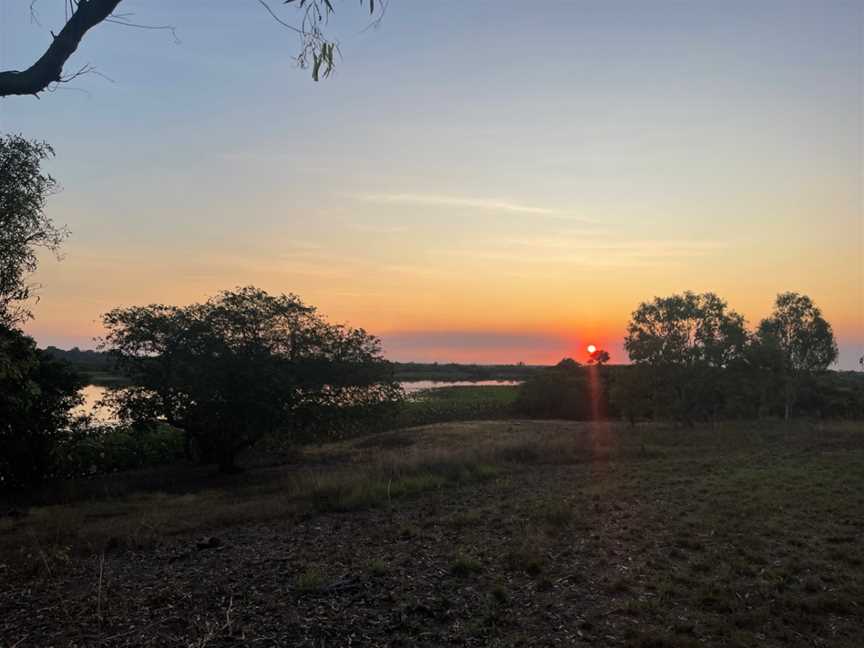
(341, 364)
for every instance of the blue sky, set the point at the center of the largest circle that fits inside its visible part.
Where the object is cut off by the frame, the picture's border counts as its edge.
(499, 169)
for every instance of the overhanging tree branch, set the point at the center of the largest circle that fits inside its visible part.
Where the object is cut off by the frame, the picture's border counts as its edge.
(316, 50)
(49, 68)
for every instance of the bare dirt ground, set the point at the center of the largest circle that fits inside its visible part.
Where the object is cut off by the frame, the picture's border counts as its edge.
(480, 534)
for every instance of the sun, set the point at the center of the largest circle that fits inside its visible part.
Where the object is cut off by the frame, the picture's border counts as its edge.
(591, 348)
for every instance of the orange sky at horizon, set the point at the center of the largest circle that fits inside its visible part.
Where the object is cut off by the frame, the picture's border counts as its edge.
(592, 156)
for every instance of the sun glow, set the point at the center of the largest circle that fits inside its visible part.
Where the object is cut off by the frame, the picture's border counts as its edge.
(591, 348)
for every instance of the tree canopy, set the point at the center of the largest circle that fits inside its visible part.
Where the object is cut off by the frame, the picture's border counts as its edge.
(598, 357)
(24, 226)
(801, 339)
(37, 395)
(316, 51)
(242, 365)
(695, 359)
(685, 341)
(685, 330)
(803, 335)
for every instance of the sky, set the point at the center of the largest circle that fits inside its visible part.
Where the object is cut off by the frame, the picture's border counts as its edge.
(489, 181)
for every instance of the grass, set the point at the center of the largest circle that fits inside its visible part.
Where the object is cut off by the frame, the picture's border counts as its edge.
(461, 403)
(147, 519)
(377, 567)
(525, 555)
(464, 566)
(503, 532)
(309, 580)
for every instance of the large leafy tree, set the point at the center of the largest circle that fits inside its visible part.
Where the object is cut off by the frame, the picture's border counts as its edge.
(804, 339)
(686, 341)
(316, 51)
(686, 329)
(242, 365)
(24, 226)
(37, 396)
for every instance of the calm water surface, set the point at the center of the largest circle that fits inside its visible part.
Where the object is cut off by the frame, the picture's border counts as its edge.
(93, 393)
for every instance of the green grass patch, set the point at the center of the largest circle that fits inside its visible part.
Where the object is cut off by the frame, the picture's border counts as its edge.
(468, 403)
(464, 566)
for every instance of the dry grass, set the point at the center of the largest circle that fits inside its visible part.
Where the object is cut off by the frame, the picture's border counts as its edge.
(739, 535)
(343, 476)
(373, 472)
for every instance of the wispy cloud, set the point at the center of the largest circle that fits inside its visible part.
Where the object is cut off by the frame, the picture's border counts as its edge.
(491, 204)
(378, 229)
(452, 340)
(256, 156)
(589, 252)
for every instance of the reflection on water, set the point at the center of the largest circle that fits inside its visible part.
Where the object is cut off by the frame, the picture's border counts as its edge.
(93, 393)
(414, 386)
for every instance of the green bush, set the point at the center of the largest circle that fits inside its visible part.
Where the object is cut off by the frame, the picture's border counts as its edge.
(37, 396)
(561, 392)
(107, 449)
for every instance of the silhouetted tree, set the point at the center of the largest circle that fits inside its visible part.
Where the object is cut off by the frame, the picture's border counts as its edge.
(37, 395)
(317, 52)
(686, 340)
(24, 227)
(242, 365)
(598, 357)
(561, 391)
(631, 391)
(757, 382)
(804, 339)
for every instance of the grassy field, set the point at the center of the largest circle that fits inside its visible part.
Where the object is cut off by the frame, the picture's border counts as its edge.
(461, 403)
(475, 533)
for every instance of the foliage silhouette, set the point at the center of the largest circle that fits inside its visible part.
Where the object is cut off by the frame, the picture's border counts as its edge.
(317, 52)
(561, 392)
(24, 227)
(802, 340)
(37, 396)
(243, 365)
(686, 342)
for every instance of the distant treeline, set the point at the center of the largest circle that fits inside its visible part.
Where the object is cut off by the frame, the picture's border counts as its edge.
(638, 393)
(694, 359)
(97, 368)
(94, 360)
(408, 371)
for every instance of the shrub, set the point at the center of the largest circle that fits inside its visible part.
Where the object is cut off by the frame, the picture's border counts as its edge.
(560, 392)
(37, 395)
(107, 449)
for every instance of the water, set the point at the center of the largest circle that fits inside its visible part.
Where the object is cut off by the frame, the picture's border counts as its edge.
(93, 393)
(414, 386)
